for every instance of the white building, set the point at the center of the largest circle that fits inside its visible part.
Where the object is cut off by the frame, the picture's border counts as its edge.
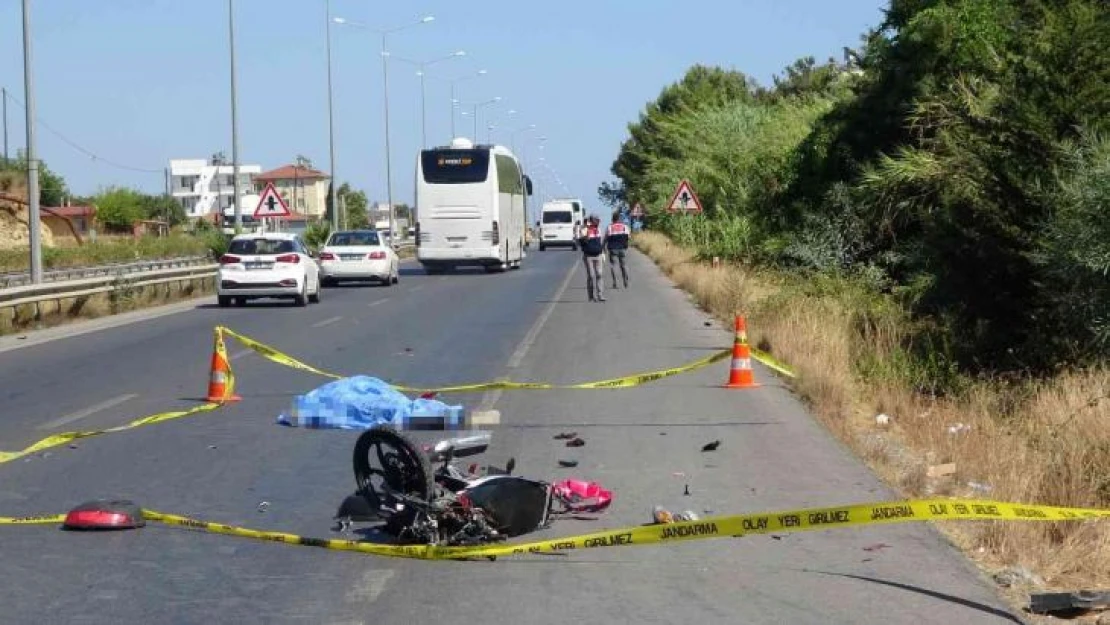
(203, 188)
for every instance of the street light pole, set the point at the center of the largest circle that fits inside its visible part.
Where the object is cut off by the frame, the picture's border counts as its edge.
(388, 164)
(234, 122)
(33, 226)
(331, 127)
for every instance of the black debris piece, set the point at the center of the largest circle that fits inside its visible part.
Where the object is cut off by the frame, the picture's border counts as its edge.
(1069, 602)
(576, 442)
(711, 446)
(568, 463)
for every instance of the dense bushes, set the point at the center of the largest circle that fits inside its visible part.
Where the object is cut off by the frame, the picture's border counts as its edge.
(958, 160)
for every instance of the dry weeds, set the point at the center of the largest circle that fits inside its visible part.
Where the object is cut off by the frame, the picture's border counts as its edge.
(1042, 442)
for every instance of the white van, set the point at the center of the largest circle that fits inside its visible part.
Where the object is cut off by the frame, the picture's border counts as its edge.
(559, 221)
(470, 207)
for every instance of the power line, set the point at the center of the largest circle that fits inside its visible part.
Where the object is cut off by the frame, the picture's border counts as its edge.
(74, 145)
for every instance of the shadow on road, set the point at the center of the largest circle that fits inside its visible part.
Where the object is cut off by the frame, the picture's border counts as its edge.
(974, 605)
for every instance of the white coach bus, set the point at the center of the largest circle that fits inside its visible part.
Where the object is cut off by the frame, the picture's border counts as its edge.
(470, 207)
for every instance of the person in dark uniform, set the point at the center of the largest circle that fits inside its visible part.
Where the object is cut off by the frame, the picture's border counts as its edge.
(616, 245)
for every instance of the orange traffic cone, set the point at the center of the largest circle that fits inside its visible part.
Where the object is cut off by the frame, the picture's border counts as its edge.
(740, 373)
(221, 383)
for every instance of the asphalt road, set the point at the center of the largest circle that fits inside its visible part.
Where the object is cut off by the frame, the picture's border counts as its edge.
(531, 324)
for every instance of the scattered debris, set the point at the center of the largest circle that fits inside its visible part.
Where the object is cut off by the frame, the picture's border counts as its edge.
(688, 515)
(73, 446)
(263, 506)
(958, 428)
(576, 442)
(211, 446)
(711, 446)
(876, 547)
(941, 470)
(678, 474)
(882, 419)
(662, 434)
(429, 395)
(982, 488)
(1017, 576)
(568, 463)
(659, 514)
(1077, 601)
(565, 435)
(686, 491)
(707, 323)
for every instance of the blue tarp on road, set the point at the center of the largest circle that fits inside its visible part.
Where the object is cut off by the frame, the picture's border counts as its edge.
(360, 403)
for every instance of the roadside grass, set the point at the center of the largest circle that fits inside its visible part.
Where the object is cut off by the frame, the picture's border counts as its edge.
(1037, 442)
(109, 250)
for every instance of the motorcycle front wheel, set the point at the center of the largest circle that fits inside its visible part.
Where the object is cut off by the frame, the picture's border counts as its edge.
(387, 462)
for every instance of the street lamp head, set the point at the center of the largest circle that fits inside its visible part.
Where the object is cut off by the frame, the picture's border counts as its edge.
(426, 19)
(339, 20)
(460, 53)
(482, 72)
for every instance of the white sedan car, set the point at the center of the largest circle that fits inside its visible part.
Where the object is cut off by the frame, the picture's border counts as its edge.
(358, 255)
(271, 265)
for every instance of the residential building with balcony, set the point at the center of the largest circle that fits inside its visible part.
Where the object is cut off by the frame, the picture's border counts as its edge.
(204, 188)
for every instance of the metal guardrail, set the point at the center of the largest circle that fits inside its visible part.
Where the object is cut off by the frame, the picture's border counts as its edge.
(48, 291)
(21, 278)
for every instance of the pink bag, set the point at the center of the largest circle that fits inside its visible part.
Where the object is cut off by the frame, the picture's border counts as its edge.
(582, 496)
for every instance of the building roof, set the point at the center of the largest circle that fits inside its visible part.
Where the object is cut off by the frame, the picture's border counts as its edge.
(70, 211)
(290, 172)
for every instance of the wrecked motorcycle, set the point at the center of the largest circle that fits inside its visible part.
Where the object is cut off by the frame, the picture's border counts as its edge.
(447, 506)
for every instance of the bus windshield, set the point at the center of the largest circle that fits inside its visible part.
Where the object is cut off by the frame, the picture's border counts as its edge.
(455, 166)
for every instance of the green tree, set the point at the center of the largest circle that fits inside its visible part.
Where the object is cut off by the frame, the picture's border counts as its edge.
(164, 208)
(354, 204)
(52, 187)
(119, 208)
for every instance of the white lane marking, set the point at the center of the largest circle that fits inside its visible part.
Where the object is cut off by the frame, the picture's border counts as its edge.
(86, 412)
(326, 322)
(370, 587)
(381, 301)
(530, 338)
(490, 398)
(485, 417)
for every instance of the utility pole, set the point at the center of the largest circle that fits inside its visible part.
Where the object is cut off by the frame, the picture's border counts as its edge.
(388, 166)
(234, 122)
(33, 225)
(5, 100)
(331, 127)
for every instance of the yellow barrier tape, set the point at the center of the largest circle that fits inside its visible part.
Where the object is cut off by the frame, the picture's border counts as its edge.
(55, 440)
(32, 520)
(788, 521)
(65, 437)
(277, 356)
(770, 362)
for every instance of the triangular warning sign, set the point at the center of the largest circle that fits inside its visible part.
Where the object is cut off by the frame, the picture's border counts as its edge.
(684, 200)
(270, 204)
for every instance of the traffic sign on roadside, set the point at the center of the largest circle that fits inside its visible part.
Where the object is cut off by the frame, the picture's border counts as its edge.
(270, 204)
(684, 199)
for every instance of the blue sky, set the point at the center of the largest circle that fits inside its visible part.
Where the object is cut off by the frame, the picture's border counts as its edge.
(138, 82)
